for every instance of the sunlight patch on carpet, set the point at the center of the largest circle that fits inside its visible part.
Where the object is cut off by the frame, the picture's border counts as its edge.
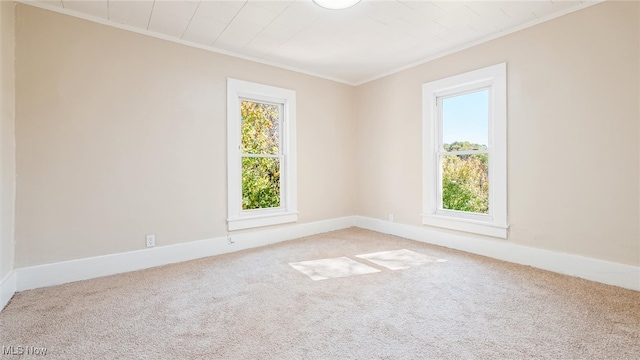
(399, 259)
(332, 268)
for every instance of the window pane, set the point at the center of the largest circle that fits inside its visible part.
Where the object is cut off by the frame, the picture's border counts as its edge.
(260, 128)
(260, 183)
(465, 183)
(465, 121)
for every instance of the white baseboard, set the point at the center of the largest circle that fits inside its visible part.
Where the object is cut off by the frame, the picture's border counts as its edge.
(7, 289)
(606, 272)
(82, 269)
(21, 279)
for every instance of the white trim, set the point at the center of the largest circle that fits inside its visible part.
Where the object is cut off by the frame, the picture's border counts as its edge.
(288, 212)
(467, 225)
(456, 49)
(606, 272)
(7, 289)
(88, 268)
(262, 220)
(102, 21)
(493, 78)
(33, 277)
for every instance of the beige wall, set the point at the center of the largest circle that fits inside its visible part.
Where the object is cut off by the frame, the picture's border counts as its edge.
(121, 135)
(573, 133)
(7, 139)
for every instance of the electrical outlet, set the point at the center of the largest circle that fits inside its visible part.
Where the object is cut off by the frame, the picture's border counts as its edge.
(391, 217)
(151, 241)
(230, 240)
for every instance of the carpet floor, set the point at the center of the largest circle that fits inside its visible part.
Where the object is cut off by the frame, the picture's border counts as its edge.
(254, 305)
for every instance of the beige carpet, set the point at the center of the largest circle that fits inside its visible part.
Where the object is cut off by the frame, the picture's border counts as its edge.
(254, 305)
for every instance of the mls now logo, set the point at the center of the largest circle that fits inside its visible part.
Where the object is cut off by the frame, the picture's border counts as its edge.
(23, 350)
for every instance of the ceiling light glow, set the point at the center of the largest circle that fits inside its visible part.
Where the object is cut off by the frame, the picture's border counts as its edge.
(336, 4)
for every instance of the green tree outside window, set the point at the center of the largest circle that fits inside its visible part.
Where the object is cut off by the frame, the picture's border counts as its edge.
(465, 179)
(261, 155)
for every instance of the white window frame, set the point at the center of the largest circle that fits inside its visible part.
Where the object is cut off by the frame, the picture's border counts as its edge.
(237, 91)
(493, 78)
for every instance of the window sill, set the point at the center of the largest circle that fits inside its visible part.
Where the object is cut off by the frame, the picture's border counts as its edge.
(466, 225)
(252, 221)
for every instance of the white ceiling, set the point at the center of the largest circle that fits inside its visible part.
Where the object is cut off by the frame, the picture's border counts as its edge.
(370, 40)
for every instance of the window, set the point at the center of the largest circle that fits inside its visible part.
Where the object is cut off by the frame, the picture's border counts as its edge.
(261, 133)
(465, 152)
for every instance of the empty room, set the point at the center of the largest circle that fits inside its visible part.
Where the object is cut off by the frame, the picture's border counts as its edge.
(320, 179)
